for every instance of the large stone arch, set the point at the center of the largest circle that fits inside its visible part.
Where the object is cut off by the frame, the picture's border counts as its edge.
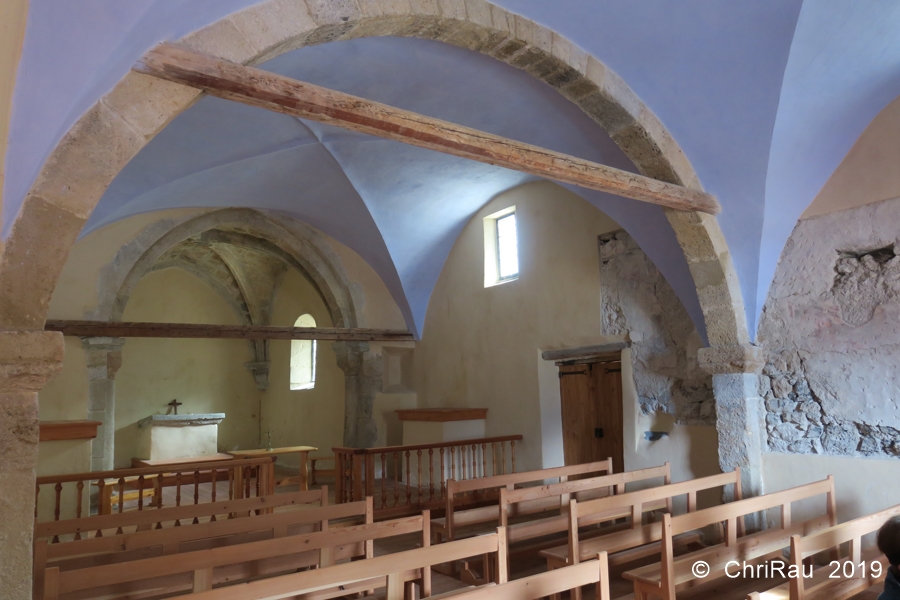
(291, 241)
(118, 125)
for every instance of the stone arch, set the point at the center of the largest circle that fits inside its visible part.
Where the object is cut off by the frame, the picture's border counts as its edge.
(118, 125)
(293, 242)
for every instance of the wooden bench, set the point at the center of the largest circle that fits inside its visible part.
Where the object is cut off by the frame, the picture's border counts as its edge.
(831, 582)
(175, 516)
(556, 497)
(201, 570)
(551, 583)
(636, 539)
(395, 572)
(148, 543)
(672, 574)
(485, 490)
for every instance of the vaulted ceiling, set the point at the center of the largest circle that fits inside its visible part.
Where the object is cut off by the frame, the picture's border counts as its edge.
(764, 97)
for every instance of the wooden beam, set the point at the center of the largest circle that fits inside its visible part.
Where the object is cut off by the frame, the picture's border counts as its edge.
(256, 87)
(584, 351)
(239, 332)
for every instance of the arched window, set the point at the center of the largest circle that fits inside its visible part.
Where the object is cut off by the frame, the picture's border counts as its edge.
(303, 358)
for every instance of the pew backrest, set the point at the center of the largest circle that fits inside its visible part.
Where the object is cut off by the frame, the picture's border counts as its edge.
(636, 504)
(557, 495)
(382, 571)
(832, 538)
(145, 519)
(200, 570)
(548, 583)
(509, 481)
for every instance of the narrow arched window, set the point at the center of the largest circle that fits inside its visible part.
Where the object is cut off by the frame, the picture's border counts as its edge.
(303, 358)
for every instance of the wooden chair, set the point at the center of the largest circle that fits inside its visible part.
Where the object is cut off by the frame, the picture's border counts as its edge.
(395, 572)
(664, 579)
(172, 540)
(486, 490)
(866, 568)
(201, 570)
(175, 516)
(635, 539)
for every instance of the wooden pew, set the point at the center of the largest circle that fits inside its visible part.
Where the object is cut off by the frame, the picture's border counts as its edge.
(201, 570)
(172, 540)
(174, 516)
(485, 490)
(551, 583)
(636, 540)
(556, 497)
(830, 582)
(393, 572)
(664, 579)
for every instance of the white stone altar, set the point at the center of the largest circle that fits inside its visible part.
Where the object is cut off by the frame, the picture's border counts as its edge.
(176, 436)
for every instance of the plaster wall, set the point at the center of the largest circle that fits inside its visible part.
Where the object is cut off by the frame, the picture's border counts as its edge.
(868, 173)
(13, 14)
(313, 417)
(206, 375)
(831, 331)
(862, 485)
(482, 346)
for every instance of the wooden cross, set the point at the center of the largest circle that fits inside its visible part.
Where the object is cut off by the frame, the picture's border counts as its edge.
(175, 404)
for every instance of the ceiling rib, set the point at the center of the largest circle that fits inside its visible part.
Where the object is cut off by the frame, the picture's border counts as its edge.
(255, 87)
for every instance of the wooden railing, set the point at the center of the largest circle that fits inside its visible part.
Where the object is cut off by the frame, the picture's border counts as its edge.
(404, 478)
(78, 495)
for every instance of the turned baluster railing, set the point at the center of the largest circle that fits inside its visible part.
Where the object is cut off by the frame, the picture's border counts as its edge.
(64, 494)
(415, 476)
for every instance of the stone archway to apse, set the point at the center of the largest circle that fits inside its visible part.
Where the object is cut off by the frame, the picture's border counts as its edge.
(291, 242)
(118, 125)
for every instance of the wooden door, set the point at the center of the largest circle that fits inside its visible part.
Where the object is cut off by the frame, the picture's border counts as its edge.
(591, 397)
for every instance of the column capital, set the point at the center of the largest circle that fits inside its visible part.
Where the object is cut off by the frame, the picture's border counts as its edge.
(260, 370)
(29, 358)
(724, 360)
(103, 343)
(350, 356)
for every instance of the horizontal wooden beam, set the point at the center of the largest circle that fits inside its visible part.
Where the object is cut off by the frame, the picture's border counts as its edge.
(263, 89)
(239, 332)
(584, 351)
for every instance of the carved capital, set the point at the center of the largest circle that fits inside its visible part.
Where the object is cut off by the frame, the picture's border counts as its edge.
(350, 356)
(103, 356)
(720, 360)
(28, 359)
(260, 370)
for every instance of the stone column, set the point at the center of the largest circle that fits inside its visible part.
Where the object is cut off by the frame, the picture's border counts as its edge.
(362, 380)
(104, 357)
(27, 360)
(740, 414)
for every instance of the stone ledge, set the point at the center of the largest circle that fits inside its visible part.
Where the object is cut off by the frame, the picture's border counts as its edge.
(720, 360)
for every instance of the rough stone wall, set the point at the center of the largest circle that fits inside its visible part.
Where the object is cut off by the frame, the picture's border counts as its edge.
(638, 302)
(831, 333)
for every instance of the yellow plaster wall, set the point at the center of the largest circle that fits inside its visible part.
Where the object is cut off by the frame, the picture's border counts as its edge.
(302, 417)
(206, 375)
(869, 173)
(481, 346)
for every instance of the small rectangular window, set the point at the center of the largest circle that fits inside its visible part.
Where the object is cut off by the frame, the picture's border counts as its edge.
(507, 247)
(501, 247)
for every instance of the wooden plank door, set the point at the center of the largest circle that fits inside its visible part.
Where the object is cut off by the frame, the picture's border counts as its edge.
(591, 396)
(608, 403)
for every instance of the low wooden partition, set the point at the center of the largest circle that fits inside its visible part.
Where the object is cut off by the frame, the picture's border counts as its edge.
(143, 487)
(406, 479)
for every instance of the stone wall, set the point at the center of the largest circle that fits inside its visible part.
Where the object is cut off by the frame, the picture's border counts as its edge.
(638, 302)
(831, 334)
